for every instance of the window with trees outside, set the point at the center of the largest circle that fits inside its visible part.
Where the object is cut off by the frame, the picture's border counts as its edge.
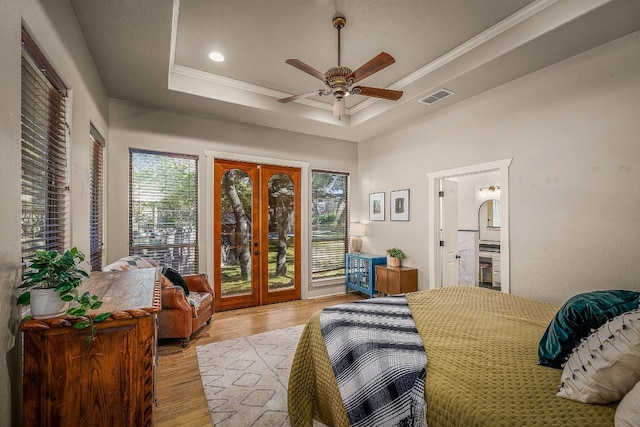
(44, 153)
(329, 219)
(163, 217)
(96, 196)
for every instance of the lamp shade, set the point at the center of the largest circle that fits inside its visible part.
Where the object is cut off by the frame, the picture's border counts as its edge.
(357, 229)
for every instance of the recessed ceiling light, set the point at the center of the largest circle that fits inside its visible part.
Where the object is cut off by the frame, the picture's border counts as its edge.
(216, 56)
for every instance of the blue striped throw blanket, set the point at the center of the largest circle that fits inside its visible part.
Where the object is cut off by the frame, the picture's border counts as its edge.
(379, 361)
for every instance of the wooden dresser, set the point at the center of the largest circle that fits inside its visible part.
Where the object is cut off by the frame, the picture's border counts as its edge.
(396, 280)
(108, 382)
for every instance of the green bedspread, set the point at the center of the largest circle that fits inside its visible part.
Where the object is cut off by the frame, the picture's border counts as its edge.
(482, 367)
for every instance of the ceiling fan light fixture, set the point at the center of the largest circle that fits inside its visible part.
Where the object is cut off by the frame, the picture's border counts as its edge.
(216, 57)
(339, 80)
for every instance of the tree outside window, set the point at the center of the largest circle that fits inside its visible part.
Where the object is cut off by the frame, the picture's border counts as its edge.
(329, 218)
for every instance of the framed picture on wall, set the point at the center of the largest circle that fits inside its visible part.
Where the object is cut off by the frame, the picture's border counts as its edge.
(376, 206)
(399, 205)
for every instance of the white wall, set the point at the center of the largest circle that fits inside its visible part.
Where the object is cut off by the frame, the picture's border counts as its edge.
(572, 131)
(136, 126)
(52, 24)
(10, 386)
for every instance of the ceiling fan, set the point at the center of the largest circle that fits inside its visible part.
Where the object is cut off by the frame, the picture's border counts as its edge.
(340, 80)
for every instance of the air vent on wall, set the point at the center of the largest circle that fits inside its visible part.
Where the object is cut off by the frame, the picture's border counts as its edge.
(436, 96)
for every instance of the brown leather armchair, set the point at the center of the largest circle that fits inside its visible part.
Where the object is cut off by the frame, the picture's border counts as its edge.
(178, 318)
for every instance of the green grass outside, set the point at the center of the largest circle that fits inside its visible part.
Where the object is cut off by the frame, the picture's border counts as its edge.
(233, 284)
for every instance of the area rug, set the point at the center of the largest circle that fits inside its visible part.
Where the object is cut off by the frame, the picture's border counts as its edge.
(245, 379)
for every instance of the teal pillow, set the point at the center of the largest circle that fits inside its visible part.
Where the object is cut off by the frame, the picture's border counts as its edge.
(576, 319)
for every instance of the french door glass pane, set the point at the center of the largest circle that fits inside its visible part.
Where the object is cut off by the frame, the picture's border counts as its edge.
(236, 233)
(281, 232)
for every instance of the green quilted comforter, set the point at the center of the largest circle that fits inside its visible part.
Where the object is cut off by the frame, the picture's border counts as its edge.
(482, 367)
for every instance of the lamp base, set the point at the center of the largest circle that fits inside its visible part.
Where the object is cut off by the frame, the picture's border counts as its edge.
(356, 244)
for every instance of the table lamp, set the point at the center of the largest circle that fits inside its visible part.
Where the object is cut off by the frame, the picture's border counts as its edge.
(357, 230)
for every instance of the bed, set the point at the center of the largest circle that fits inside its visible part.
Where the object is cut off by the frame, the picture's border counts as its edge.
(482, 366)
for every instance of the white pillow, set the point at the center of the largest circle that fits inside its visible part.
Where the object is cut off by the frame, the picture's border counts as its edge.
(628, 412)
(606, 365)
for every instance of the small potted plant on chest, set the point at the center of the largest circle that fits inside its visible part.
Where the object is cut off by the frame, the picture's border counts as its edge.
(394, 257)
(52, 281)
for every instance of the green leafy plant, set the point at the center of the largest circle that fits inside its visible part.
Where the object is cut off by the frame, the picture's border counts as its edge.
(85, 302)
(62, 272)
(396, 253)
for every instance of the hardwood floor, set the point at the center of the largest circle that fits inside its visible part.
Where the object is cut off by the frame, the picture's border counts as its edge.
(179, 391)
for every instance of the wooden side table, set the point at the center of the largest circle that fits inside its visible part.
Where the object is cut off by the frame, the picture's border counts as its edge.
(396, 280)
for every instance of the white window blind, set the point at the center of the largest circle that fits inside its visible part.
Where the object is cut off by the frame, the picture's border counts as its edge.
(163, 210)
(329, 229)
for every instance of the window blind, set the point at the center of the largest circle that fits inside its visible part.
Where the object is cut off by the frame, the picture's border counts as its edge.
(163, 208)
(44, 161)
(96, 196)
(329, 218)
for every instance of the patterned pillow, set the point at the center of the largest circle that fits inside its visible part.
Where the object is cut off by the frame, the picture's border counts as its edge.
(577, 318)
(130, 262)
(628, 411)
(195, 299)
(606, 365)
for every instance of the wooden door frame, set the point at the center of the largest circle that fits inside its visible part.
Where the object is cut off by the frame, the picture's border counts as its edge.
(433, 178)
(206, 210)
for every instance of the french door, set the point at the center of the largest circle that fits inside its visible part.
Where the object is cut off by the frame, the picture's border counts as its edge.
(256, 234)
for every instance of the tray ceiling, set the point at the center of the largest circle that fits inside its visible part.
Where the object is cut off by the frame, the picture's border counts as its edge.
(156, 52)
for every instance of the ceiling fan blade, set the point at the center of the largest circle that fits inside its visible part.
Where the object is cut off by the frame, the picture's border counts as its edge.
(300, 96)
(391, 95)
(339, 107)
(382, 60)
(306, 68)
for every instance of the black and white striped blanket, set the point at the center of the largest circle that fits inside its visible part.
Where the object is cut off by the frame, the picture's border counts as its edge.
(379, 361)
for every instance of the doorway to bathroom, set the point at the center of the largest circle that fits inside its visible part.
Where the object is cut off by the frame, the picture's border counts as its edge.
(469, 226)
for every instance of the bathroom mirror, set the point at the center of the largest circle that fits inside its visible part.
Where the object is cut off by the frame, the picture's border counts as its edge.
(489, 214)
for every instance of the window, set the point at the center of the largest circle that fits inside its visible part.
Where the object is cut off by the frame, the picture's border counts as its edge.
(163, 210)
(44, 154)
(329, 220)
(96, 195)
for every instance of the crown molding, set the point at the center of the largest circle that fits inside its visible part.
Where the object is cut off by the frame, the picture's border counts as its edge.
(466, 47)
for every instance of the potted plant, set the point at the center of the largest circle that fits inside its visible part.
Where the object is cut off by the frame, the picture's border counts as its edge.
(394, 257)
(52, 281)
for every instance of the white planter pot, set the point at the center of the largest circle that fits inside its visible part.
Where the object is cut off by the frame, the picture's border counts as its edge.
(46, 303)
